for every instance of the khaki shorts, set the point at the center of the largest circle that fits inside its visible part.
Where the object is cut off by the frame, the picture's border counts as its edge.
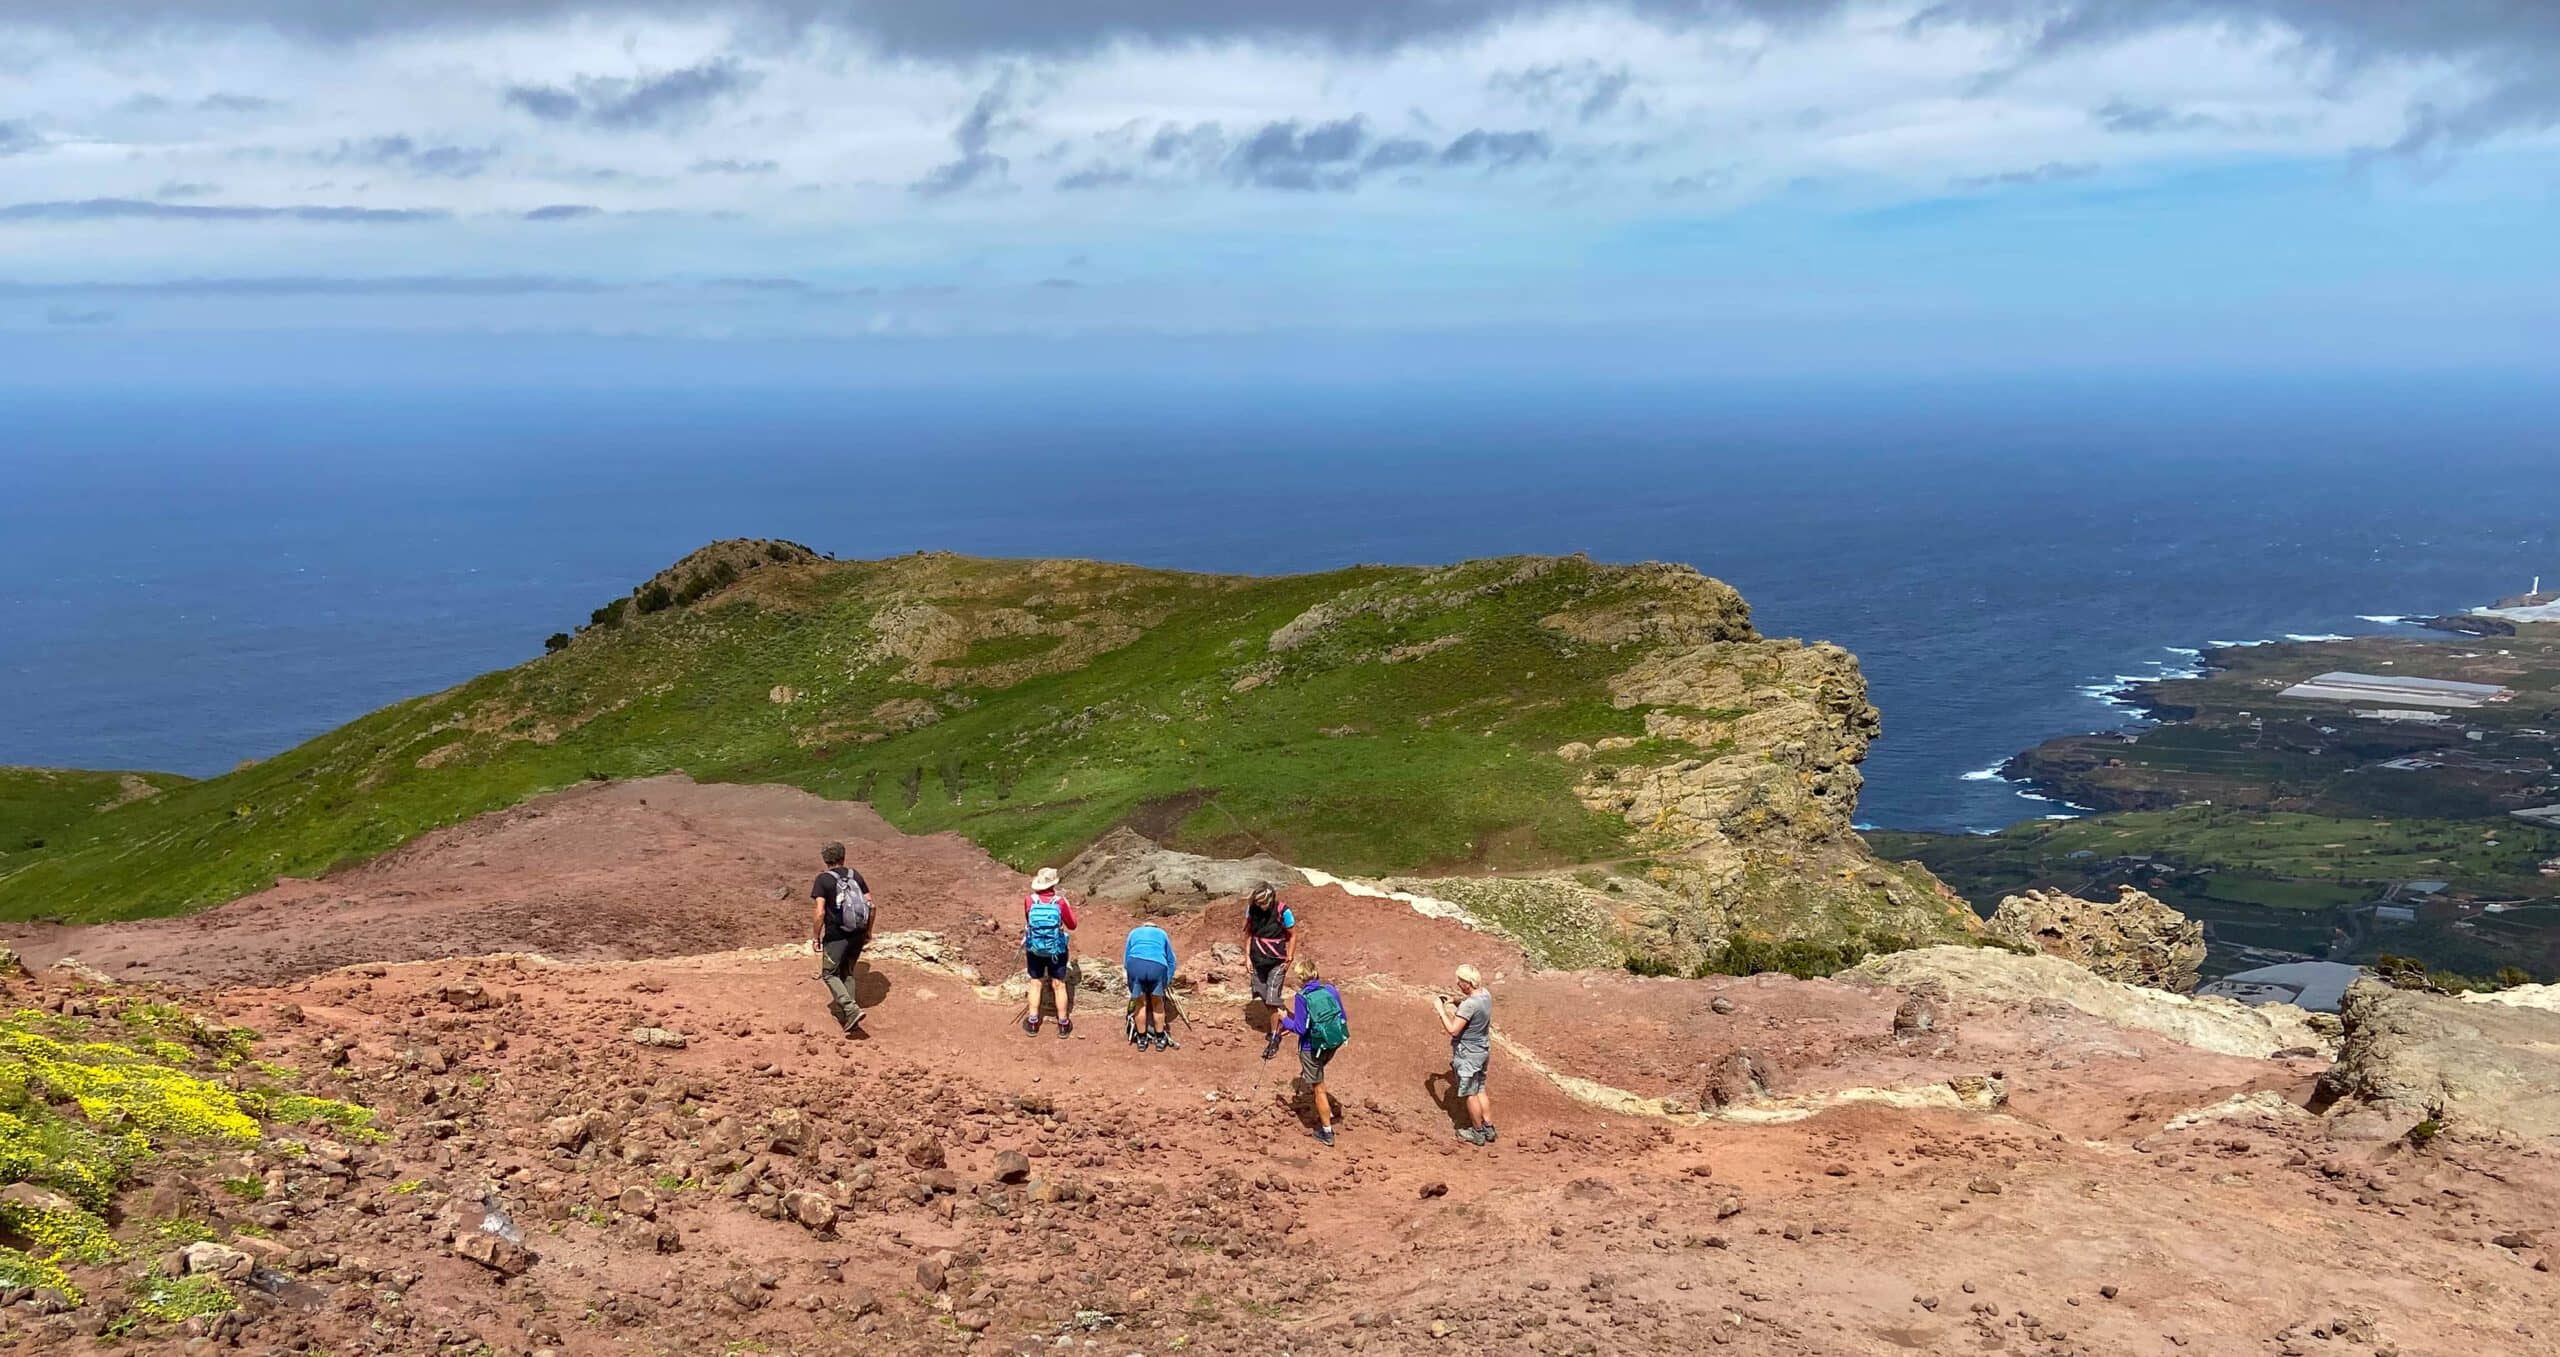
(1311, 1063)
(1271, 984)
(1470, 1081)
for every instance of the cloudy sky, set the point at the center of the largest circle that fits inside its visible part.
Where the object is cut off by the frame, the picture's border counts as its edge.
(2305, 181)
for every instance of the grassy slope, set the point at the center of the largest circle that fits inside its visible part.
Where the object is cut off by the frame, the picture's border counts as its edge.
(1335, 758)
(37, 804)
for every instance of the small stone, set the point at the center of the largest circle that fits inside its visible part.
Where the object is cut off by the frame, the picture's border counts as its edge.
(208, 1259)
(1012, 1167)
(932, 1275)
(494, 1253)
(811, 1209)
(2108, 1291)
(664, 1038)
(973, 1321)
(1720, 1004)
(1984, 1187)
(926, 1153)
(1430, 1190)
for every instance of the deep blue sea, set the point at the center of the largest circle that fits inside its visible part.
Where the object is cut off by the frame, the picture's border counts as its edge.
(190, 580)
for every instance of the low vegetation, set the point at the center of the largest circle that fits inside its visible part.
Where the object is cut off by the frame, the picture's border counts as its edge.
(87, 1101)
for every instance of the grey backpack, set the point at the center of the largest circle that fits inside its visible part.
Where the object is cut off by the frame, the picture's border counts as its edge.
(852, 908)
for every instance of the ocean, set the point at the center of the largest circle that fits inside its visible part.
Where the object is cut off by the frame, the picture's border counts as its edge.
(190, 580)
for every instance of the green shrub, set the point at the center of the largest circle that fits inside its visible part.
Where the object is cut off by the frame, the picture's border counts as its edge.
(1802, 958)
(610, 615)
(655, 598)
(555, 643)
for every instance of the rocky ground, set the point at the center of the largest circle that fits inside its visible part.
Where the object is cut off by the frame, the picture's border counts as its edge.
(615, 1119)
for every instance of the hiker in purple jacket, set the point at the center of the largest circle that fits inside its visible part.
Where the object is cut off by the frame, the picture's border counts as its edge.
(1322, 1026)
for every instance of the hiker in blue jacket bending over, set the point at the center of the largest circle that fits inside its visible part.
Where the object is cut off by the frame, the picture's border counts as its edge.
(1148, 960)
(1323, 1027)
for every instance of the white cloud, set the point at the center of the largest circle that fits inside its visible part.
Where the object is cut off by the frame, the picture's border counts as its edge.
(701, 139)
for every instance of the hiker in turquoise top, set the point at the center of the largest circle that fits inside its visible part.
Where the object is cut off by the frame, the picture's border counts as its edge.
(1047, 919)
(1323, 1027)
(1148, 961)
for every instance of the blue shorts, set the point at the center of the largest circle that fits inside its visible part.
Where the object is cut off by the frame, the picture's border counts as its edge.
(1149, 978)
(1045, 967)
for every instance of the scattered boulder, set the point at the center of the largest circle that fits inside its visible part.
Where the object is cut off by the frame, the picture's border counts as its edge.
(1127, 868)
(79, 972)
(2222, 1026)
(501, 1256)
(1739, 1076)
(2134, 939)
(925, 1152)
(657, 1036)
(2485, 1063)
(468, 995)
(1923, 1011)
(208, 1259)
(1012, 1167)
(811, 1209)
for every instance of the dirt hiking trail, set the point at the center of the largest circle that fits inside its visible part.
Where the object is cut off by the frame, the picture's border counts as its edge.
(1757, 1165)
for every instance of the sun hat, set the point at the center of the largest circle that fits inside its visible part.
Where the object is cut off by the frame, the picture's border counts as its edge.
(1046, 879)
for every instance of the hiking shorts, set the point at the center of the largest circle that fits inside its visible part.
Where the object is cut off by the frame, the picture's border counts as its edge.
(1470, 1079)
(1271, 983)
(1311, 1063)
(1149, 978)
(1045, 967)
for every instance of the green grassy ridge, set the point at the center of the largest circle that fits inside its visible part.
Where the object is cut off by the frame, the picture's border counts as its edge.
(1323, 752)
(36, 803)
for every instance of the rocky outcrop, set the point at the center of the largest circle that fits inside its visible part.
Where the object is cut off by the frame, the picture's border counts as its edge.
(2222, 1026)
(1768, 737)
(2479, 1063)
(1127, 868)
(2134, 938)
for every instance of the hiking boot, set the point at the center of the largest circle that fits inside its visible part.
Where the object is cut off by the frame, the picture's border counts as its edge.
(1488, 1134)
(1474, 1135)
(1164, 1041)
(1066, 1027)
(852, 1021)
(1271, 1047)
(1031, 1027)
(1325, 1134)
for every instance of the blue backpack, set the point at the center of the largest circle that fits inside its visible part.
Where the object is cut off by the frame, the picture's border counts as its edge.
(1047, 935)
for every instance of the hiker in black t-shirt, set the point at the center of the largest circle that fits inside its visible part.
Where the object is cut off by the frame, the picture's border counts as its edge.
(841, 925)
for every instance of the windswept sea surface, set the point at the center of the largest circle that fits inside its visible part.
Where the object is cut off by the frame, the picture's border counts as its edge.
(193, 580)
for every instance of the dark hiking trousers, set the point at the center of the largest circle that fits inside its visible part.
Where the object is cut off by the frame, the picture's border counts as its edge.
(837, 971)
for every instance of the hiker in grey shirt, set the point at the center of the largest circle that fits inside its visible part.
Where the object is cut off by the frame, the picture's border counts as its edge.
(1470, 1026)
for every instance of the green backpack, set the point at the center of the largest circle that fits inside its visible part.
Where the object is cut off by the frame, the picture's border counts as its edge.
(1327, 1026)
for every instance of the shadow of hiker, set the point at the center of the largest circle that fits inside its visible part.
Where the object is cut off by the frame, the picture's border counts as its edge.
(870, 987)
(1441, 1087)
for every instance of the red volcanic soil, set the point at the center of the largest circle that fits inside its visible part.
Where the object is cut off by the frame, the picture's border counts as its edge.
(480, 987)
